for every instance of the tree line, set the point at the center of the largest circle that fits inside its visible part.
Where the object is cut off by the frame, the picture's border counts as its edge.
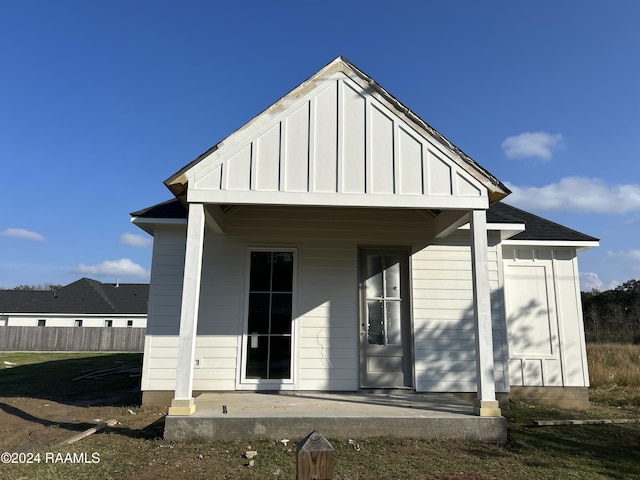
(45, 287)
(613, 315)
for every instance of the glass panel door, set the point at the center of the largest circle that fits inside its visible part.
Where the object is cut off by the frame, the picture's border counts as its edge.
(385, 345)
(269, 324)
(383, 299)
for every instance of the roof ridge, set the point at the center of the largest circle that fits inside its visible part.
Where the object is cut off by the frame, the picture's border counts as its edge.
(97, 286)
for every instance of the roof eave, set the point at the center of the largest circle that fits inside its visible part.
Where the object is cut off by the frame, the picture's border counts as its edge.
(149, 224)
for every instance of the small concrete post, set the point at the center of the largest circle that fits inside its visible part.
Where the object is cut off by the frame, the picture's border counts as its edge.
(315, 458)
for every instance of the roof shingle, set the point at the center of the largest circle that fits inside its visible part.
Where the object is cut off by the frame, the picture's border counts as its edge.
(84, 296)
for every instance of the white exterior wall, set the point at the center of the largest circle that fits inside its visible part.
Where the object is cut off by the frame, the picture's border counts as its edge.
(544, 317)
(326, 298)
(326, 339)
(165, 290)
(443, 317)
(60, 320)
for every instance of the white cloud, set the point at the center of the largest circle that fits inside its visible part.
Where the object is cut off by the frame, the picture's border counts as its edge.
(590, 281)
(577, 194)
(23, 234)
(537, 145)
(122, 267)
(134, 240)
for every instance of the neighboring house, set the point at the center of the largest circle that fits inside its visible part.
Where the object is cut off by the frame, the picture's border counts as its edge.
(83, 303)
(337, 242)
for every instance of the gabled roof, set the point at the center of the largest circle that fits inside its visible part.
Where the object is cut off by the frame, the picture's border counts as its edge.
(84, 296)
(536, 228)
(338, 139)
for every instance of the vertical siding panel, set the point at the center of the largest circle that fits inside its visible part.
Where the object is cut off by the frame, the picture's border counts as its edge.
(324, 159)
(295, 164)
(439, 180)
(409, 167)
(575, 369)
(352, 141)
(238, 170)
(551, 321)
(530, 315)
(267, 160)
(381, 172)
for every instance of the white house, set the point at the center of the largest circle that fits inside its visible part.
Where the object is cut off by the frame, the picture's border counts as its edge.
(83, 303)
(337, 242)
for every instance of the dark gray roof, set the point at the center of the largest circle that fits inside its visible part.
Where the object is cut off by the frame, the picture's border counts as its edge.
(84, 296)
(10, 300)
(170, 209)
(536, 228)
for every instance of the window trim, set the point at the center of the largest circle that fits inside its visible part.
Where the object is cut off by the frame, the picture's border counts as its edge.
(242, 382)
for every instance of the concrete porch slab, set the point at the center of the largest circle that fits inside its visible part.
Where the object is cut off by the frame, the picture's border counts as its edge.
(334, 415)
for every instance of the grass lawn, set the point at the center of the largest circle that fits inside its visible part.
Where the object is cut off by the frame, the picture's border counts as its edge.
(39, 394)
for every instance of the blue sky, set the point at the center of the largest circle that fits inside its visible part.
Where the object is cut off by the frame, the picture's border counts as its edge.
(101, 101)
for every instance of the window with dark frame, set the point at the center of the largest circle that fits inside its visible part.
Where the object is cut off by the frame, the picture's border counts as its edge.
(270, 315)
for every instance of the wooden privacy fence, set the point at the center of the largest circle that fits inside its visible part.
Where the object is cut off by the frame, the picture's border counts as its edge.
(81, 339)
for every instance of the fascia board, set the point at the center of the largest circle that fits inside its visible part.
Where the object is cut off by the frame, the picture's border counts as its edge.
(336, 199)
(578, 245)
(148, 224)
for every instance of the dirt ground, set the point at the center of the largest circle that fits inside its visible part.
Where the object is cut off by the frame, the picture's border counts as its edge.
(29, 424)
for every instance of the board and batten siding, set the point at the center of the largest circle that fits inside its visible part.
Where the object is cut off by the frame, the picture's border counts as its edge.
(336, 144)
(443, 317)
(544, 318)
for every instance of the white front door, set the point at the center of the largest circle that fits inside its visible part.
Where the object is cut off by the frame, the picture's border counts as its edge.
(385, 326)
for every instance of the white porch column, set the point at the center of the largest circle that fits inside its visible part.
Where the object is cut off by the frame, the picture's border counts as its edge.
(486, 404)
(183, 402)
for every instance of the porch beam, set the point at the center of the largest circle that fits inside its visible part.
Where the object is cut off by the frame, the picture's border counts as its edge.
(448, 221)
(486, 404)
(215, 218)
(183, 402)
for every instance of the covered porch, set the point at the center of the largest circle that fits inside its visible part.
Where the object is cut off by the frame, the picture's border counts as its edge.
(345, 415)
(337, 172)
